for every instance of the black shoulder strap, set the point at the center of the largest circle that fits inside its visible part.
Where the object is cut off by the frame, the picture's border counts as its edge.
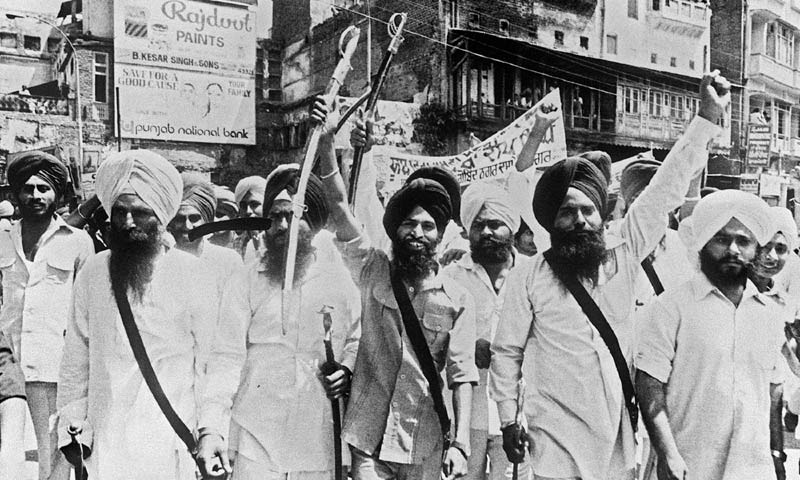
(591, 310)
(652, 275)
(414, 331)
(139, 352)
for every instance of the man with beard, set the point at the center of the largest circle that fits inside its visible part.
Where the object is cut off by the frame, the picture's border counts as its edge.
(708, 350)
(488, 215)
(174, 301)
(281, 419)
(198, 206)
(391, 423)
(577, 413)
(39, 257)
(227, 208)
(249, 195)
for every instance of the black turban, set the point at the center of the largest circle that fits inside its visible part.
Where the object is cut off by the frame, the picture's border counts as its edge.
(45, 166)
(601, 160)
(428, 194)
(287, 177)
(199, 193)
(448, 180)
(636, 176)
(576, 172)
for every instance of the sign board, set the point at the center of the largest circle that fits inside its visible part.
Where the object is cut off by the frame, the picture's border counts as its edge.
(185, 70)
(759, 138)
(749, 183)
(770, 185)
(492, 158)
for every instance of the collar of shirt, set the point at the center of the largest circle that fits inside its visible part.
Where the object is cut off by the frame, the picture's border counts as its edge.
(702, 287)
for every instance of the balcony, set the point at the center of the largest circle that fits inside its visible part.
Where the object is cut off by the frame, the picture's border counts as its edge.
(764, 66)
(768, 9)
(685, 17)
(31, 104)
(662, 129)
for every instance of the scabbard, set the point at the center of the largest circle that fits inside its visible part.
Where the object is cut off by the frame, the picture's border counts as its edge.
(248, 223)
(337, 438)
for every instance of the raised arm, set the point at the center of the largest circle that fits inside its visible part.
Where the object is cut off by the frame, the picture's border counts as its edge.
(544, 118)
(342, 220)
(646, 221)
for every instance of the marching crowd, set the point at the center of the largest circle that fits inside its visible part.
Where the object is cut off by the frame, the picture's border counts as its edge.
(141, 351)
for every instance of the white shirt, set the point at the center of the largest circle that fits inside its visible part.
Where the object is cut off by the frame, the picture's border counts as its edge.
(100, 381)
(717, 361)
(265, 367)
(36, 295)
(574, 401)
(223, 262)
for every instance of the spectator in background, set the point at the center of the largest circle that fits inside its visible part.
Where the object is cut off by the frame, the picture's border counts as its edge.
(227, 208)
(249, 195)
(39, 257)
(6, 215)
(12, 414)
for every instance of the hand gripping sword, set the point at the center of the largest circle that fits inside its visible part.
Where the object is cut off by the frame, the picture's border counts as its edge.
(395, 26)
(347, 47)
(327, 324)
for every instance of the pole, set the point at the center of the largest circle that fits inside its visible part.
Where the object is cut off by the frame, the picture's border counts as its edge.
(119, 119)
(78, 112)
(327, 324)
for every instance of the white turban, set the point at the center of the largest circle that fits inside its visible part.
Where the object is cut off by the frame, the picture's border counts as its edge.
(491, 196)
(714, 211)
(143, 173)
(6, 209)
(254, 184)
(785, 224)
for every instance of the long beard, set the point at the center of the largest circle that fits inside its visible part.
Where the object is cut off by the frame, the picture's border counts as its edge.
(274, 259)
(488, 251)
(132, 258)
(413, 264)
(721, 275)
(579, 253)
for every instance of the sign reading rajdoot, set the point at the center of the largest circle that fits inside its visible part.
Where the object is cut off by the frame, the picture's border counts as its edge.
(185, 70)
(492, 158)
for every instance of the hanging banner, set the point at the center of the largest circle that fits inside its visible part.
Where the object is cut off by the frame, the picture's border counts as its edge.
(185, 70)
(494, 157)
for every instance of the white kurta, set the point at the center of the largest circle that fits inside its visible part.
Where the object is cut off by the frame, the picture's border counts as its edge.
(264, 367)
(574, 404)
(100, 381)
(717, 361)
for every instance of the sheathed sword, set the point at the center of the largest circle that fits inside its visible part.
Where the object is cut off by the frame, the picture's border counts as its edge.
(327, 324)
(347, 47)
(395, 26)
(519, 418)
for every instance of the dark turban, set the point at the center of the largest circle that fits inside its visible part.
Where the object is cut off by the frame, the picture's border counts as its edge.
(199, 193)
(601, 160)
(428, 194)
(636, 176)
(576, 172)
(286, 178)
(45, 166)
(448, 180)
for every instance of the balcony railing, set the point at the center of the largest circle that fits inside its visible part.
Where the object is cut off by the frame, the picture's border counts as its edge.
(761, 64)
(690, 17)
(31, 104)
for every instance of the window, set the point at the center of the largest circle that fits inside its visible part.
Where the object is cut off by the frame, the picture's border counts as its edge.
(653, 58)
(474, 20)
(559, 37)
(780, 44)
(53, 45)
(8, 40)
(673, 62)
(503, 26)
(656, 102)
(100, 77)
(656, 4)
(691, 64)
(632, 100)
(633, 9)
(534, 31)
(33, 43)
(585, 43)
(611, 44)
